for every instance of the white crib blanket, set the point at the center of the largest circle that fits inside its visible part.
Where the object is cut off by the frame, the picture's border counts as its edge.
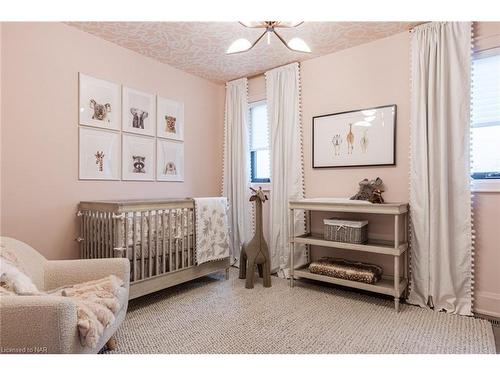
(212, 234)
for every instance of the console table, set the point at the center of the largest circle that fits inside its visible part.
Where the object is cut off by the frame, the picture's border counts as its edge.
(394, 286)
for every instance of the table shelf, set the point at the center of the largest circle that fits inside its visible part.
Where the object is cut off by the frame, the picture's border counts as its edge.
(372, 246)
(384, 286)
(395, 286)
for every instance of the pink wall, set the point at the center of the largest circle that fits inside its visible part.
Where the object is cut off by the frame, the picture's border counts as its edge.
(369, 75)
(39, 149)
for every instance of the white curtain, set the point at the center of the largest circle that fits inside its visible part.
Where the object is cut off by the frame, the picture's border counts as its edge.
(236, 174)
(287, 178)
(440, 198)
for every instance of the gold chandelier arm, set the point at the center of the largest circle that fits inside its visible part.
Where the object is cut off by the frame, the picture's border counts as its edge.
(283, 40)
(257, 41)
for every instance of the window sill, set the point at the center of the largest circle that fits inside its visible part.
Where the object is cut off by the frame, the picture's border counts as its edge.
(485, 186)
(266, 186)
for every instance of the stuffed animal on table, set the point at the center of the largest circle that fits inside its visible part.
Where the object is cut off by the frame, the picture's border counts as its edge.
(256, 252)
(377, 196)
(370, 190)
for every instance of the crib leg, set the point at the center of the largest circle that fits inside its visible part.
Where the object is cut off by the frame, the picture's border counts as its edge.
(227, 273)
(111, 344)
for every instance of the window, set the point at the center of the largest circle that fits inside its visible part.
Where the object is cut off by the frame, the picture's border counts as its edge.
(485, 152)
(259, 143)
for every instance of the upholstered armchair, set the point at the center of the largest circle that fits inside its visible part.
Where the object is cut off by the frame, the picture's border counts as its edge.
(48, 324)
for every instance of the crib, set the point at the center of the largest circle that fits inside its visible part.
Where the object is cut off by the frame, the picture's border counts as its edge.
(157, 236)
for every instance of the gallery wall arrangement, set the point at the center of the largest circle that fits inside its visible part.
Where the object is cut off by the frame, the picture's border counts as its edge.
(127, 134)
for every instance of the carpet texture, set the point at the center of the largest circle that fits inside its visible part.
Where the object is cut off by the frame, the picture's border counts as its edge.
(212, 315)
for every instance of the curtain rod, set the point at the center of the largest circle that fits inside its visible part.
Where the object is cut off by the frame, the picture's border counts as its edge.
(411, 28)
(262, 72)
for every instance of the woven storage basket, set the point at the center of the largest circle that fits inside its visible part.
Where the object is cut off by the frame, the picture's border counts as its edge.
(350, 231)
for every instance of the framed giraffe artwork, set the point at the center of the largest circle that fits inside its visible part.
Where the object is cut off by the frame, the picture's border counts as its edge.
(359, 138)
(99, 154)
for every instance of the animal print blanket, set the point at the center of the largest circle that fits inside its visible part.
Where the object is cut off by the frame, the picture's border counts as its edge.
(212, 233)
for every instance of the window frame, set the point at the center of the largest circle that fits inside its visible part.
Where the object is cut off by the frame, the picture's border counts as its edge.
(481, 181)
(253, 178)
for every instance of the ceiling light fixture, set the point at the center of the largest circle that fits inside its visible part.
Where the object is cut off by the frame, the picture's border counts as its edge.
(243, 45)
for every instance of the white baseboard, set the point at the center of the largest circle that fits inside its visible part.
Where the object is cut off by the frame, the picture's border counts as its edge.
(487, 303)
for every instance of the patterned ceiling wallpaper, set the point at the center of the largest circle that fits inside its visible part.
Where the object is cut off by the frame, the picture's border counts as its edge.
(199, 47)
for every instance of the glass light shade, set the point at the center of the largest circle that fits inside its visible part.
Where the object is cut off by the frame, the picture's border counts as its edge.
(299, 45)
(239, 45)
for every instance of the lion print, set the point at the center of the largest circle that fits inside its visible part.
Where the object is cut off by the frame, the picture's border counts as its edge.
(170, 124)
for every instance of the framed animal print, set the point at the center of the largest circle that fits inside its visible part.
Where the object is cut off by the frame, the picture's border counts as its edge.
(360, 138)
(138, 158)
(99, 103)
(139, 115)
(99, 154)
(170, 160)
(170, 119)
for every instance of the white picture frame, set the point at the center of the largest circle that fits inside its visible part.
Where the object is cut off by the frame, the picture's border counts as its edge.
(138, 112)
(138, 158)
(99, 103)
(360, 138)
(170, 160)
(169, 119)
(99, 154)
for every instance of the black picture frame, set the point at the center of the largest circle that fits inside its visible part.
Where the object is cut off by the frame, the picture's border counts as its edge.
(394, 106)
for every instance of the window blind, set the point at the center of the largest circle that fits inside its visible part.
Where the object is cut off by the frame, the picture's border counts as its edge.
(486, 116)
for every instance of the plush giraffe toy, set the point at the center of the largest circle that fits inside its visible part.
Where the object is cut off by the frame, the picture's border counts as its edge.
(256, 251)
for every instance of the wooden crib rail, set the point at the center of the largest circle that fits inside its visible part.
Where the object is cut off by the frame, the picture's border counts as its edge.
(129, 205)
(156, 241)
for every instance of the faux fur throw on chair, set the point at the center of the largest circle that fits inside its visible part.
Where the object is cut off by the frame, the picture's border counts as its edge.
(96, 301)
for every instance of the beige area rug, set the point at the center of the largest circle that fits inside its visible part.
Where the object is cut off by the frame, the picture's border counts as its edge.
(212, 315)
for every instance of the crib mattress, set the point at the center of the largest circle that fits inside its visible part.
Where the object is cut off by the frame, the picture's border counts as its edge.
(347, 270)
